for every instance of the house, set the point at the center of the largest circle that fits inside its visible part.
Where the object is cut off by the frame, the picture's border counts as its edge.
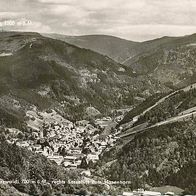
(22, 143)
(71, 161)
(39, 151)
(150, 193)
(70, 158)
(56, 158)
(138, 192)
(37, 147)
(93, 157)
(47, 151)
(78, 162)
(82, 123)
(103, 143)
(86, 173)
(71, 166)
(107, 118)
(127, 194)
(29, 148)
(169, 193)
(66, 163)
(75, 151)
(135, 119)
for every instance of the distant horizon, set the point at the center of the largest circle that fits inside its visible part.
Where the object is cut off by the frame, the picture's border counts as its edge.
(80, 35)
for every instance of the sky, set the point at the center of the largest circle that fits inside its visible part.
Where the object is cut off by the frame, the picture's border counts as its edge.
(136, 20)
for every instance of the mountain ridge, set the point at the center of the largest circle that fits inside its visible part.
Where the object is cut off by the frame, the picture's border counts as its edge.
(41, 77)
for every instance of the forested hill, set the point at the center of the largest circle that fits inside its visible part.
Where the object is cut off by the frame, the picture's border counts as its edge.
(157, 143)
(114, 47)
(47, 73)
(164, 155)
(19, 164)
(169, 60)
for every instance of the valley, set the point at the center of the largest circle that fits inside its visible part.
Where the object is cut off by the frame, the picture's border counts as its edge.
(100, 109)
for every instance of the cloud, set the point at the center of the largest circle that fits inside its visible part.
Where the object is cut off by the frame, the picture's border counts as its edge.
(131, 19)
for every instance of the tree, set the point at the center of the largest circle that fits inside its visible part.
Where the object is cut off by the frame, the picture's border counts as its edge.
(84, 163)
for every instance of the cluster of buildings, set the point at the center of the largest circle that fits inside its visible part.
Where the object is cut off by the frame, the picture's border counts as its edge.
(65, 142)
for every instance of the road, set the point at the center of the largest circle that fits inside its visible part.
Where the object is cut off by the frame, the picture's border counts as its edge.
(168, 121)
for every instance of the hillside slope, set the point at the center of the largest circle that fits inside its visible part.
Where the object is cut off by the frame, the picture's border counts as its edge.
(18, 165)
(157, 143)
(121, 50)
(44, 72)
(114, 47)
(161, 156)
(168, 59)
(157, 137)
(172, 62)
